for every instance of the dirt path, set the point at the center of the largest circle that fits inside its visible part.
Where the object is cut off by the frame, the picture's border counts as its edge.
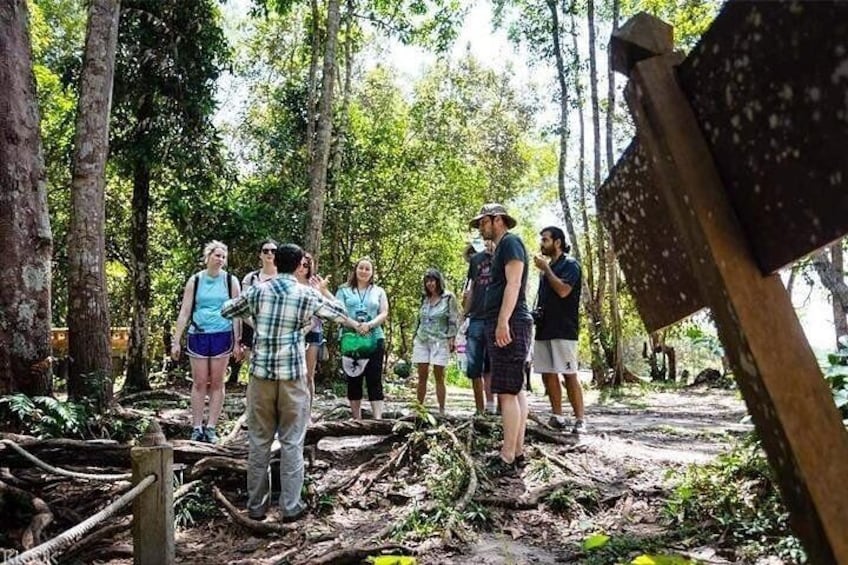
(613, 480)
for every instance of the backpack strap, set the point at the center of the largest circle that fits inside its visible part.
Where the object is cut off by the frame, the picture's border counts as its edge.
(196, 279)
(230, 278)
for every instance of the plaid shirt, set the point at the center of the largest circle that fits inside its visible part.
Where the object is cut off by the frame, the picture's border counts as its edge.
(281, 308)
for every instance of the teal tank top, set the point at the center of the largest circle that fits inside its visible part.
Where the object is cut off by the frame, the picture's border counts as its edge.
(212, 292)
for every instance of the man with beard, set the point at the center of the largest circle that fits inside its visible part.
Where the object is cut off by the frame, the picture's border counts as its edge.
(556, 318)
(507, 331)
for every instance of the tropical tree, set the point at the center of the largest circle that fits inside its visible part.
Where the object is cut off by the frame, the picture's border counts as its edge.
(89, 344)
(170, 55)
(24, 223)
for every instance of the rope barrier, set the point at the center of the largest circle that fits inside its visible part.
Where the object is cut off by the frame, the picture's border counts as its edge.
(43, 552)
(57, 471)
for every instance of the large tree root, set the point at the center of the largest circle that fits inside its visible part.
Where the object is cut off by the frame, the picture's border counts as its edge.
(353, 555)
(158, 394)
(349, 481)
(41, 515)
(529, 502)
(261, 528)
(471, 489)
(392, 463)
(214, 463)
(107, 532)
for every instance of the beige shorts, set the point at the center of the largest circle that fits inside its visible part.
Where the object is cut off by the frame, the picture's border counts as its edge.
(431, 352)
(555, 356)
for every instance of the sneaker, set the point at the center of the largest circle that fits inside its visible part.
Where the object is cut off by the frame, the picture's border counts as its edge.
(497, 467)
(257, 515)
(558, 422)
(579, 427)
(210, 435)
(296, 516)
(197, 434)
(520, 461)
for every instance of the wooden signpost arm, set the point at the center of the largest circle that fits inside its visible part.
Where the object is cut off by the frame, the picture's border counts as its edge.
(789, 401)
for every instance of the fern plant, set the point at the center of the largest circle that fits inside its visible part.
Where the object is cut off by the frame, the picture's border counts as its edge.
(44, 416)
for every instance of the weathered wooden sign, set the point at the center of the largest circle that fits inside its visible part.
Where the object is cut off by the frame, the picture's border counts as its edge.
(739, 167)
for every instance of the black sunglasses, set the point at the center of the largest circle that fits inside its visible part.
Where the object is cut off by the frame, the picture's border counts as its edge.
(269, 250)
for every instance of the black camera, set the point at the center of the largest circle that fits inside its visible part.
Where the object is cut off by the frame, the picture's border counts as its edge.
(538, 315)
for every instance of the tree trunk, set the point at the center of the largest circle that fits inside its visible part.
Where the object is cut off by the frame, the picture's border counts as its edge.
(836, 277)
(612, 265)
(563, 128)
(341, 130)
(603, 356)
(321, 156)
(590, 306)
(138, 363)
(25, 235)
(88, 311)
(312, 86)
(833, 279)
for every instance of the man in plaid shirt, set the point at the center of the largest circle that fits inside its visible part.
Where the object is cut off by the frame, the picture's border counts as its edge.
(277, 395)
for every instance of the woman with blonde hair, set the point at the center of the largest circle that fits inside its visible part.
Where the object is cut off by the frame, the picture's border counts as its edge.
(211, 337)
(366, 303)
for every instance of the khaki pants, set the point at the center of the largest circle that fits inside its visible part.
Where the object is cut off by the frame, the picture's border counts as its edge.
(276, 408)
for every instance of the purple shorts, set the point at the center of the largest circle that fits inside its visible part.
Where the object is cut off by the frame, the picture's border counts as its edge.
(507, 363)
(210, 346)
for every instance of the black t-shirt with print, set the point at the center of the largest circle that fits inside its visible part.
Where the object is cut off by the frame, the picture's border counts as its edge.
(560, 315)
(509, 248)
(479, 273)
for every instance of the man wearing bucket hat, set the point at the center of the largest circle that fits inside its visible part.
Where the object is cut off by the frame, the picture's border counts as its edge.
(508, 329)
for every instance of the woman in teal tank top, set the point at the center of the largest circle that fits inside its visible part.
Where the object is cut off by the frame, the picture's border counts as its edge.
(211, 337)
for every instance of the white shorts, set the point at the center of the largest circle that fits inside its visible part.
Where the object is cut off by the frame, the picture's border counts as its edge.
(555, 356)
(431, 352)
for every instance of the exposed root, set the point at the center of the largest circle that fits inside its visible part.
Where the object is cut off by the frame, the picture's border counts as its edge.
(354, 555)
(235, 431)
(158, 394)
(216, 463)
(41, 515)
(471, 489)
(260, 528)
(185, 489)
(391, 464)
(107, 532)
(354, 476)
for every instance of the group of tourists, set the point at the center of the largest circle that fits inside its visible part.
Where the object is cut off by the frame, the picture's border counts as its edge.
(274, 320)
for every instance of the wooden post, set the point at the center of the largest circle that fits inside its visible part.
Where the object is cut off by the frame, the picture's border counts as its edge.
(787, 397)
(153, 510)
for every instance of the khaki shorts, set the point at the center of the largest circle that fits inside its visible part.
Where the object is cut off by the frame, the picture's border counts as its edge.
(555, 356)
(431, 352)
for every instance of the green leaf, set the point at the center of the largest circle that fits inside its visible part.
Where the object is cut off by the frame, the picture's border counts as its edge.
(392, 560)
(595, 541)
(660, 560)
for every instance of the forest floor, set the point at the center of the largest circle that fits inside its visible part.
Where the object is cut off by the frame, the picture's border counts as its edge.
(401, 489)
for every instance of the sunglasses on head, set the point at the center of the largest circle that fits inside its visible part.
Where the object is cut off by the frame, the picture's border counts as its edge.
(267, 250)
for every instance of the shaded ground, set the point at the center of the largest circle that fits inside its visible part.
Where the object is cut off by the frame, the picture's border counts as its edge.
(611, 480)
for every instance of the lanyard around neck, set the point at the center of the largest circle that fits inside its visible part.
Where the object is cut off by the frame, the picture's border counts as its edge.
(362, 297)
